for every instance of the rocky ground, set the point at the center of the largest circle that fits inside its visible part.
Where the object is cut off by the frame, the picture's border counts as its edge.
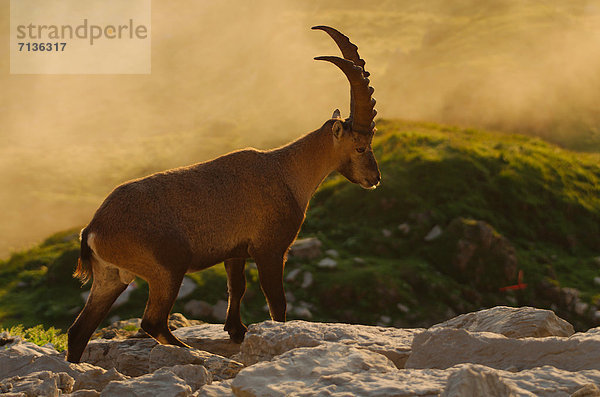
(495, 352)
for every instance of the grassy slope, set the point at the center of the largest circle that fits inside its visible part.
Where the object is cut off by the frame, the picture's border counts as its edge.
(543, 199)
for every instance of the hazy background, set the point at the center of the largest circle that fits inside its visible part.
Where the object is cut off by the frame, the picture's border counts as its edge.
(230, 74)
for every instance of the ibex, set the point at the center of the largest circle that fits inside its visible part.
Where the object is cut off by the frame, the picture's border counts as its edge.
(246, 204)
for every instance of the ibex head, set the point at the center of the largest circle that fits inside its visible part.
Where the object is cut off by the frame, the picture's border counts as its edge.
(353, 136)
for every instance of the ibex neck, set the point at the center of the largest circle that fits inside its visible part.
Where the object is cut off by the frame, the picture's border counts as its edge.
(306, 162)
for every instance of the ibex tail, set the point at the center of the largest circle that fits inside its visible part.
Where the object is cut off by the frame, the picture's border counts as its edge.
(84, 264)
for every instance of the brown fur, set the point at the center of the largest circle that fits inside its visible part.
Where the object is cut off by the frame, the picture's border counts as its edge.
(245, 204)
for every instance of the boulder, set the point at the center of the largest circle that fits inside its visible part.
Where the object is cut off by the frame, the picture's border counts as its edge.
(194, 375)
(97, 379)
(589, 390)
(268, 339)
(219, 367)
(307, 280)
(124, 296)
(178, 320)
(85, 393)
(42, 383)
(445, 347)
(160, 383)
(197, 308)
(216, 389)
(481, 257)
(327, 263)
(434, 233)
(291, 276)
(306, 248)
(330, 367)
(546, 381)
(478, 381)
(219, 311)
(498, 352)
(208, 337)
(17, 361)
(340, 370)
(332, 253)
(20, 347)
(512, 322)
(129, 356)
(187, 287)
(136, 357)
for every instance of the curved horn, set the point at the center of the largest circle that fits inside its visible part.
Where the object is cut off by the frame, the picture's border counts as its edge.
(349, 49)
(362, 110)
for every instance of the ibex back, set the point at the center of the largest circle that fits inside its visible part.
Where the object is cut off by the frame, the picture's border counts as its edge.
(248, 203)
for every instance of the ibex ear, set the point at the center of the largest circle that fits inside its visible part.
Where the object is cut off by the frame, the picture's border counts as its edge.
(337, 128)
(336, 114)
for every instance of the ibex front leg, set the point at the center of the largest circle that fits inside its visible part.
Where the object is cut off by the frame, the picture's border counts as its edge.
(270, 274)
(236, 286)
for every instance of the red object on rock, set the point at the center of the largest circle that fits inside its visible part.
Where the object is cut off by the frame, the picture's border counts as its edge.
(519, 285)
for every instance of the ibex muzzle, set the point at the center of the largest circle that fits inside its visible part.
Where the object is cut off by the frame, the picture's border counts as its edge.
(245, 204)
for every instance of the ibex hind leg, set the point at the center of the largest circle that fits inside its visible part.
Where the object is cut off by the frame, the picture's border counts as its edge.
(236, 287)
(162, 292)
(106, 287)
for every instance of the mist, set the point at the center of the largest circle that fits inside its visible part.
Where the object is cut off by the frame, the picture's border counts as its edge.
(230, 74)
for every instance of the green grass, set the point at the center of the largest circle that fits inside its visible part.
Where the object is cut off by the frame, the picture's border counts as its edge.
(543, 199)
(527, 188)
(39, 335)
(36, 286)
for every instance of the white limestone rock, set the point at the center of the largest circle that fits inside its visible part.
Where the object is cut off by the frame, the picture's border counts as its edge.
(216, 389)
(307, 280)
(97, 379)
(219, 311)
(529, 352)
(219, 367)
(327, 263)
(513, 322)
(589, 390)
(42, 383)
(20, 347)
(478, 381)
(194, 375)
(434, 233)
(208, 337)
(291, 276)
(160, 383)
(124, 297)
(306, 248)
(187, 287)
(546, 381)
(85, 393)
(311, 370)
(22, 365)
(445, 347)
(268, 339)
(197, 308)
(335, 369)
(129, 356)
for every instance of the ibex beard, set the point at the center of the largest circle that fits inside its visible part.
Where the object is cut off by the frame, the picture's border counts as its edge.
(245, 204)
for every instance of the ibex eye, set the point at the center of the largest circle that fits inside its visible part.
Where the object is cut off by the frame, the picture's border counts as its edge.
(361, 149)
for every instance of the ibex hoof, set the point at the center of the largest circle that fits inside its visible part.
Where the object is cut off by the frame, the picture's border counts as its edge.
(236, 334)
